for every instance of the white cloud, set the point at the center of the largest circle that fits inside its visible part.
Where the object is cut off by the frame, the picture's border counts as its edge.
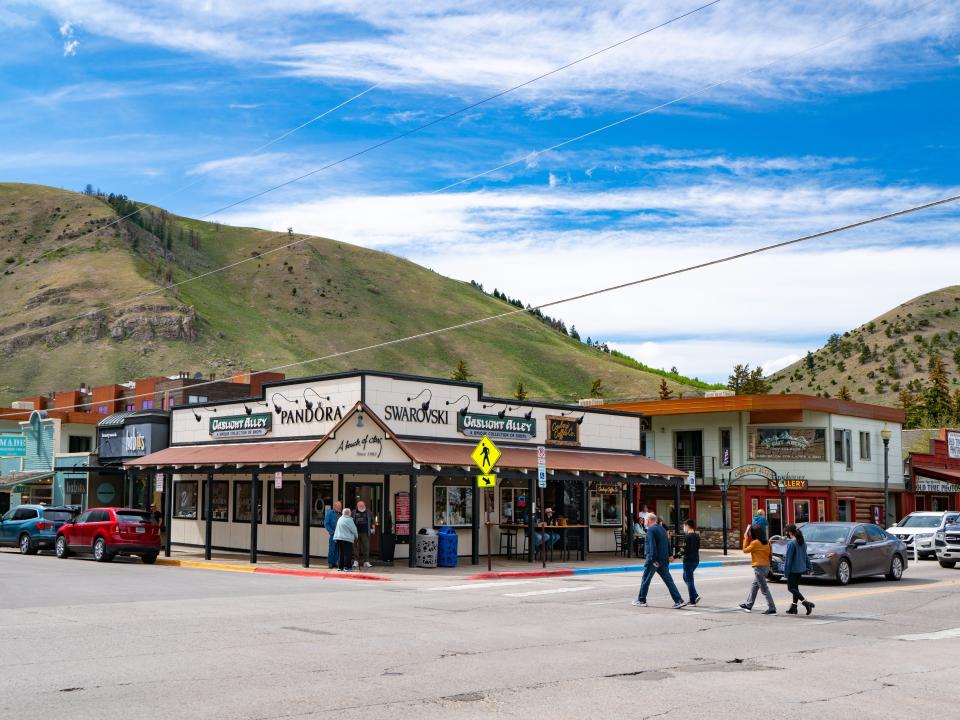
(66, 29)
(242, 165)
(70, 48)
(243, 106)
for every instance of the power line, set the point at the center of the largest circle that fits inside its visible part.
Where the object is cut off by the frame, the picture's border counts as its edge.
(580, 296)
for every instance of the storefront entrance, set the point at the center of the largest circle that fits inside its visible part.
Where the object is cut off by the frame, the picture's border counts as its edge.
(774, 517)
(372, 496)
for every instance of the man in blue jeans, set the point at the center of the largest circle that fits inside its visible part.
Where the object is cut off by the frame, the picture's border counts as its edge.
(658, 563)
(330, 525)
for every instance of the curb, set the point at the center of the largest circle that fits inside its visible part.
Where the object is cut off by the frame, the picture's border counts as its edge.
(203, 565)
(566, 572)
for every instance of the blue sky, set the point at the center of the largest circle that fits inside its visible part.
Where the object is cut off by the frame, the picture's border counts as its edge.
(146, 98)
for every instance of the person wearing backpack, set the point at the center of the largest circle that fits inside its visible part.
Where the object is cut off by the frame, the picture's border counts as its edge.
(796, 563)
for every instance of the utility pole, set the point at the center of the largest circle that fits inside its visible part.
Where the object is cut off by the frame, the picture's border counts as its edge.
(885, 436)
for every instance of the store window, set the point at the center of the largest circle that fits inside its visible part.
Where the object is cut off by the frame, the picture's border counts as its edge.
(801, 511)
(147, 405)
(185, 499)
(221, 493)
(606, 505)
(194, 399)
(709, 517)
(665, 512)
(845, 510)
(79, 443)
(726, 448)
(452, 504)
(242, 495)
(864, 446)
(321, 496)
(285, 504)
(842, 450)
(513, 503)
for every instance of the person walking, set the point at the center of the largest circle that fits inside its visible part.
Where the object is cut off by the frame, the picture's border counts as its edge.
(657, 563)
(755, 543)
(691, 559)
(330, 525)
(364, 523)
(345, 535)
(796, 563)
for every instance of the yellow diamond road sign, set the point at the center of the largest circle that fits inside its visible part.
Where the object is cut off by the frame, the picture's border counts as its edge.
(485, 455)
(486, 481)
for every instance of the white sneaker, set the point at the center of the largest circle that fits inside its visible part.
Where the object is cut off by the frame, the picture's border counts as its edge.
(356, 564)
(637, 603)
(367, 565)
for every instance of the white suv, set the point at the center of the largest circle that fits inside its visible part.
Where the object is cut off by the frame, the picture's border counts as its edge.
(920, 528)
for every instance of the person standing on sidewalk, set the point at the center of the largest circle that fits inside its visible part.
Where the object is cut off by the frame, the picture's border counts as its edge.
(755, 542)
(657, 563)
(364, 522)
(330, 525)
(691, 558)
(345, 535)
(796, 563)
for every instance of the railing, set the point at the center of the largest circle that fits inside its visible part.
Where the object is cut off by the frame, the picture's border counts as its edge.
(704, 466)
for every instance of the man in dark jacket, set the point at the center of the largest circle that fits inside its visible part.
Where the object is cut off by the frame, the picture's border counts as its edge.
(658, 563)
(691, 558)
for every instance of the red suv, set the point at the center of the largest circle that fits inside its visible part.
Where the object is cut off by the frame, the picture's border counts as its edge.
(108, 532)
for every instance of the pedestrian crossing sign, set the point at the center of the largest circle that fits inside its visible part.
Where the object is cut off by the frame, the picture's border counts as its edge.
(486, 481)
(485, 455)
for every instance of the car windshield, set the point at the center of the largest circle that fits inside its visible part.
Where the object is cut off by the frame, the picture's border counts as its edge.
(57, 515)
(825, 533)
(128, 516)
(920, 521)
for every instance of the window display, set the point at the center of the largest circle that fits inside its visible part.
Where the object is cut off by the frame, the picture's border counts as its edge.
(241, 502)
(221, 491)
(285, 503)
(185, 499)
(513, 504)
(321, 497)
(606, 507)
(453, 505)
(709, 517)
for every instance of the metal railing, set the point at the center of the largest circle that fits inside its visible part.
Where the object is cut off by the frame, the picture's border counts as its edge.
(704, 466)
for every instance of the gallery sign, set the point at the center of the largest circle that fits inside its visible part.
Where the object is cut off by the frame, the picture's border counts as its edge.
(563, 430)
(511, 428)
(789, 483)
(253, 425)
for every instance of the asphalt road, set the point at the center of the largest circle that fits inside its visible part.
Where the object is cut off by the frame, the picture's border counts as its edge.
(124, 640)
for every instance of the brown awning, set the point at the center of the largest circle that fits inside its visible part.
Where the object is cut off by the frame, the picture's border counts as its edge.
(438, 453)
(934, 473)
(257, 453)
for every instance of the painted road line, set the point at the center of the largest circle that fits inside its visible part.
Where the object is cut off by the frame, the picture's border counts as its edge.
(550, 592)
(640, 568)
(940, 635)
(939, 585)
(480, 586)
(205, 565)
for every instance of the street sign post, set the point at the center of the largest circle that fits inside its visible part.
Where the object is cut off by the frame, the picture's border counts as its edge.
(692, 480)
(485, 456)
(542, 483)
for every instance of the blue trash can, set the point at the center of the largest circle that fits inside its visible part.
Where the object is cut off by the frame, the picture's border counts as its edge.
(447, 547)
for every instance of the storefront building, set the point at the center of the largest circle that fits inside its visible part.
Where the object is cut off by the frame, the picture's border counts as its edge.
(828, 455)
(260, 474)
(934, 476)
(123, 437)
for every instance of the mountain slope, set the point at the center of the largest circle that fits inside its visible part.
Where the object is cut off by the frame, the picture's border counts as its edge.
(314, 299)
(881, 357)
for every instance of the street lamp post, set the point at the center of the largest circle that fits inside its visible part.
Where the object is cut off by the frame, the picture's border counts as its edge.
(885, 436)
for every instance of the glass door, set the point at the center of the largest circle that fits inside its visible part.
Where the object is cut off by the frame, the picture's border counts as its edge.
(774, 517)
(801, 511)
(372, 496)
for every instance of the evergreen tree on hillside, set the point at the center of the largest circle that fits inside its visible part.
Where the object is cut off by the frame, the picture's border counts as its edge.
(810, 361)
(744, 381)
(576, 336)
(844, 393)
(461, 372)
(665, 392)
(521, 392)
(937, 401)
(597, 389)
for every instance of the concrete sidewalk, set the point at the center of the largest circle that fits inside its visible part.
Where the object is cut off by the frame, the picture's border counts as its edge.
(596, 563)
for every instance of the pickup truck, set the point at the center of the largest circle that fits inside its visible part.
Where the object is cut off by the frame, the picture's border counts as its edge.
(947, 542)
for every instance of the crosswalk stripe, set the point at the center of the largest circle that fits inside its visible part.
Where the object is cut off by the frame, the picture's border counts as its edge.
(481, 585)
(531, 593)
(940, 635)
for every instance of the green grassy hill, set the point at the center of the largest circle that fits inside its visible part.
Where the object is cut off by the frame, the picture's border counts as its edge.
(881, 357)
(314, 299)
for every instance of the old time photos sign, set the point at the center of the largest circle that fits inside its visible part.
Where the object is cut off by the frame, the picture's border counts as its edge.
(787, 444)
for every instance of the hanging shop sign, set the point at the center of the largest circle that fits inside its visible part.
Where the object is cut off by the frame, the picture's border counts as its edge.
(13, 446)
(75, 486)
(399, 413)
(511, 428)
(935, 486)
(241, 425)
(563, 431)
(755, 470)
(787, 444)
(788, 482)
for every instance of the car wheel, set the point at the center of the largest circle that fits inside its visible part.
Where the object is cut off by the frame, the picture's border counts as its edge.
(100, 553)
(61, 548)
(26, 547)
(948, 563)
(844, 572)
(896, 568)
(149, 559)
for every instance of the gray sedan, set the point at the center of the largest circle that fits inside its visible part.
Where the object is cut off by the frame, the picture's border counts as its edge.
(843, 551)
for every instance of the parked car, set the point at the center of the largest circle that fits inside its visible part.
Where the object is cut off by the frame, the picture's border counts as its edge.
(108, 532)
(843, 551)
(947, 543)
(920, 528)
(33, 527)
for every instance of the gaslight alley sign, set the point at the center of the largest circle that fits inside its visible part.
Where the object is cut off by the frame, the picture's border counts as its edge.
(241, 425)
(513, 428)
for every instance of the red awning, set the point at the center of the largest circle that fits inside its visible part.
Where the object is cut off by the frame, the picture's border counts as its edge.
(437, 453)
(938, 473)
(256, 453)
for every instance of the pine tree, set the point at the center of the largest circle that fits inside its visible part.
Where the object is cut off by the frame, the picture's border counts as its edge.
(810, 361)
(738, 379)
(911, 407)
(576, 336)
(597, 389)
(937, 402)
(521, 392)
(665, 392)
(844, 393)
(461, 372)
